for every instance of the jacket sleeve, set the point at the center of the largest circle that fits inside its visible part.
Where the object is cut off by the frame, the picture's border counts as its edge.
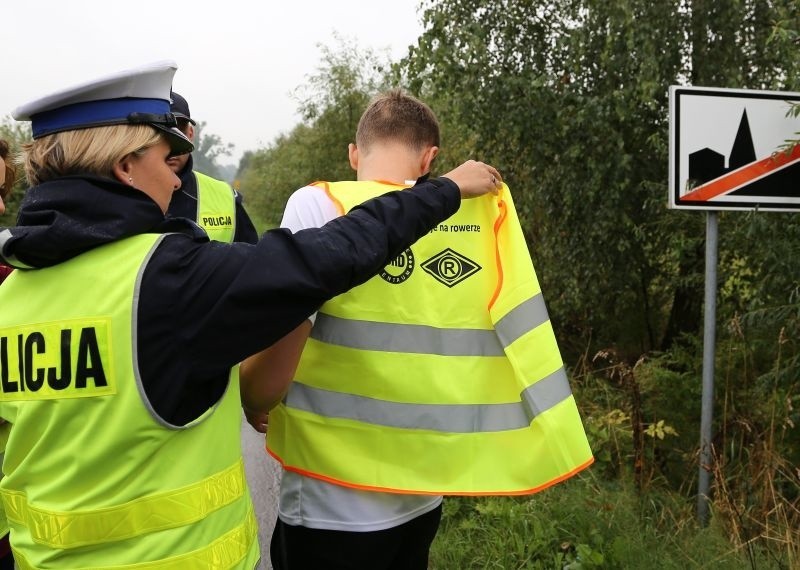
(204, 307)
(245, 230)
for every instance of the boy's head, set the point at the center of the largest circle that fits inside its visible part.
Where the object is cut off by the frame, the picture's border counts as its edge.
(397, 139)
(397, 118)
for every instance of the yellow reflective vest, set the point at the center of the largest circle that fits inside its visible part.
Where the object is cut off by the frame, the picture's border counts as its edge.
(216, 208)
(440, 375)
(93, 479)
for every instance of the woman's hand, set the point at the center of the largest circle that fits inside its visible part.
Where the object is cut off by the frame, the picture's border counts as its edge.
(475, 179)
(259, 420)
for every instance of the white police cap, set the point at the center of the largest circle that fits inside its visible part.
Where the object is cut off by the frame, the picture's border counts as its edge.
(133, 96)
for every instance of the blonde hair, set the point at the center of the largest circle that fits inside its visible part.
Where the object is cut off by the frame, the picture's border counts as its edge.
(84, 151)
(398, 117)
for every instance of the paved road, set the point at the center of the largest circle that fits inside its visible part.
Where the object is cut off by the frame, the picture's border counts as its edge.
(263, 476)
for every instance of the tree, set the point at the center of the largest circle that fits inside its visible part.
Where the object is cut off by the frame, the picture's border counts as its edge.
(330, 104)
(569, 99)
(207, 150)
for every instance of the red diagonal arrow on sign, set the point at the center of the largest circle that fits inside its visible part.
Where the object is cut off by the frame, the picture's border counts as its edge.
(742, 176)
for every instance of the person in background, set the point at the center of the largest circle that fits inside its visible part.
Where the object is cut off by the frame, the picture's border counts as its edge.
(213, 204)
(121, 375)
(432, 378)
(7, 174)
(7, 179)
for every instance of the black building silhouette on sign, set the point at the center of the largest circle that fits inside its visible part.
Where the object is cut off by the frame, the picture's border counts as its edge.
(707, 164)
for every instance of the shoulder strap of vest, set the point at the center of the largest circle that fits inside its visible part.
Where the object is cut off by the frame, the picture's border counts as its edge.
(347, 194)
(326, 187)
(498, 223)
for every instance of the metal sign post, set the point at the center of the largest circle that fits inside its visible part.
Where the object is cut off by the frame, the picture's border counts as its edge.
(709, 342)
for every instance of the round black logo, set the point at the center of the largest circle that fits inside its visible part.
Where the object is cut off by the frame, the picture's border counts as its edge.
(399, 269)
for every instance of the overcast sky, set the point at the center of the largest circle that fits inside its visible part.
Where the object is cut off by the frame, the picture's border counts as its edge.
(238, 60)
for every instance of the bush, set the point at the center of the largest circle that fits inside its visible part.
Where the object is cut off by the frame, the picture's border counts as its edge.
(582, 524)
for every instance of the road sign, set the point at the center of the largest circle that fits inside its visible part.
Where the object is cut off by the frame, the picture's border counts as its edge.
(725, 150)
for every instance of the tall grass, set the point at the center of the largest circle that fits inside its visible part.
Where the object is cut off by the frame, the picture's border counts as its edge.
(583, 523)
(635, 508)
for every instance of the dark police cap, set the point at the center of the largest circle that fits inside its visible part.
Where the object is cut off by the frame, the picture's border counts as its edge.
(133, 96)
(180, 107)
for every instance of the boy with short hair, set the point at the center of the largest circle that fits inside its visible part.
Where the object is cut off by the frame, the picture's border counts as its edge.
(413, 385)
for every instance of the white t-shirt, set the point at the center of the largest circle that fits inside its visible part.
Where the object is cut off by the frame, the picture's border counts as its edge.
(314, 503)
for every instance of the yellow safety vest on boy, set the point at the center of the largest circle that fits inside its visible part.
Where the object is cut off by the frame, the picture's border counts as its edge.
(92, 478)
(440, 375)
(216, 208)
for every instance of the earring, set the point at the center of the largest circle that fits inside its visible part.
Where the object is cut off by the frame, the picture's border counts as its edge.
(130, 181)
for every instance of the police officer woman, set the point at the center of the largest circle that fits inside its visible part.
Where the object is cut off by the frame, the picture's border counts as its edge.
(119, 372)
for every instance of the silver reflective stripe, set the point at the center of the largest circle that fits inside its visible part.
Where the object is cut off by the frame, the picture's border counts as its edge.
(137, 293)
(12, 260)
(417, 339)
(423, 339)
(523, 318)
(546, 393)
(450, 418)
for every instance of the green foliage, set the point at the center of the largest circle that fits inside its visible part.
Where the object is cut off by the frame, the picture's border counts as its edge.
(208, 149)
(756, 485)
(581, 524)
(331, 104)
(569, 99)
(558, 103)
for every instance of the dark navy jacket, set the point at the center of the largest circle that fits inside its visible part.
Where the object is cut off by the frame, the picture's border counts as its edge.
(205, 306)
